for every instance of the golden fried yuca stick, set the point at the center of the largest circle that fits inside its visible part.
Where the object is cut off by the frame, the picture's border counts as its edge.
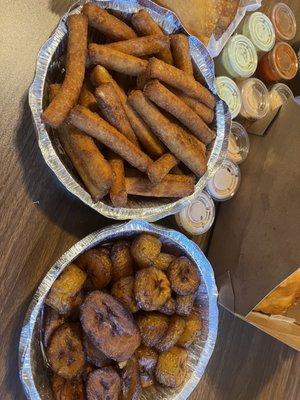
(85, 156)
(175, 138)
(206, 113)
(106, 23)
(97, 127)
(118, 194)
(181, 53)
(161, 167)
(145, 25)
(59, 108)
(87, 160)
(170, 186)
(142, 46)
(113, 110)
(148, 140)
(168, 101)
(178, 79)
(116, 60)
(87, 99)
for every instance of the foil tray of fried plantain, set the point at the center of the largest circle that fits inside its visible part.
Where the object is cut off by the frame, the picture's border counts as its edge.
(33, 371)
(49, 70)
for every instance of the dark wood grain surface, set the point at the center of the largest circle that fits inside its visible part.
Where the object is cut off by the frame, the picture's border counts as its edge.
(40, 221)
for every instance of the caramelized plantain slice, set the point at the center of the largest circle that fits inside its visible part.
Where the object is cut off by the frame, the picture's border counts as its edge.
(184, 276)
(130, 381)
(65, 389)
(192, 330)
(174, 332)
(145, 248)
(147, 359)
(51, 321)
(171, 367)
(123, 290)
(122, 260)
(152, 326)
(103, 384)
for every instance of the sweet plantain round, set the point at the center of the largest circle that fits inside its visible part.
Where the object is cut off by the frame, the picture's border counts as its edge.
(192, 330)
(174, 332)
(184, 304)
(145, 248)
(123, 290)
(65, 351)
(171, 367)
(184, 276)
(147, 359)
(152, 289)
(152, 326)
(130, 381)
(66, 389)
(122, 260)
(103, 383)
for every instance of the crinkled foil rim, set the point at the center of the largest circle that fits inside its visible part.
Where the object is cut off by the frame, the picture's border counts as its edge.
(31, 365)
(169, 21)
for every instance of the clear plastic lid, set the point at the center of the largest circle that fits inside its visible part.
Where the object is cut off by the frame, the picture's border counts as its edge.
(226, 181)
(279, 94)
(241, 56)
(230, 93)
(284, 21)
(284, 60)
(239, 144)
(259, 29)
(199, 216)
(255, 99)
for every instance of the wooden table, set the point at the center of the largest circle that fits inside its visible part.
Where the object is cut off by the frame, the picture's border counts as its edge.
(40, 221)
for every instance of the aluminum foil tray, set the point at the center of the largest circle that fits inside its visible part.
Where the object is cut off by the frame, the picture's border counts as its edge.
(33, 371)
(49, 70)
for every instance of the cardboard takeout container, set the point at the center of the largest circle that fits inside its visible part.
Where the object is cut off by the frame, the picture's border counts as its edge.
(255, 244)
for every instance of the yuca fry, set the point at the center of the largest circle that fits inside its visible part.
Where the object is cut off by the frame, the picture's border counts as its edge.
(161, 167)
(87, 99)
(116, 60)
(202, 110)
(118, 194)
(59, 108)
(88, 161)
(181, 53)
(173, 136)
(145, 25)
(148, 140)
(106, 23)
(168, 101)
(100, 75)
(178, 79)
(171, 186)
(84, 154)
(142, 46)
(113, 110)
(97, 127)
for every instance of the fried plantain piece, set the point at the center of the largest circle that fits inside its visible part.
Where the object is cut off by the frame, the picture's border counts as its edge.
(103, 384)
(184, 304)
(192, 330)
(163, 261)
(94, 355)
(171, 367)
(145, 248)
(123, 290)
(65, 351)
(174, 332)
(65, 389)
(151, 288)
(130, 381)
(65, 288)
(184, 276)
(147, 359)
(169, 308)
(109, 326)
(152, 326)
(122, 260)
(51, 321)
(98, 265)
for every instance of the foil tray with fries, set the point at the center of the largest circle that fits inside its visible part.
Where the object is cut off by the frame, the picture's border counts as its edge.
(34, 372)
(50, 69)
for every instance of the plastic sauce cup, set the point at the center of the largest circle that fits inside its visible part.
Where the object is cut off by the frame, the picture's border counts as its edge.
(279, 94)
(259, 29)
(279, 64)
(225, 183)
(198, 217)
(283, 20)
(238, 143)
(230, 93)
(255, 99)
(238, 59)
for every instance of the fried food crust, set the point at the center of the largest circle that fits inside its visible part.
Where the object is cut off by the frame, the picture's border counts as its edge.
(184, 276)
(145, 248)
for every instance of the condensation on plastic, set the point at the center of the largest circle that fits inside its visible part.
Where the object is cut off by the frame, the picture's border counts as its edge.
(216, 46)
(48, 70)
(33, 370)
